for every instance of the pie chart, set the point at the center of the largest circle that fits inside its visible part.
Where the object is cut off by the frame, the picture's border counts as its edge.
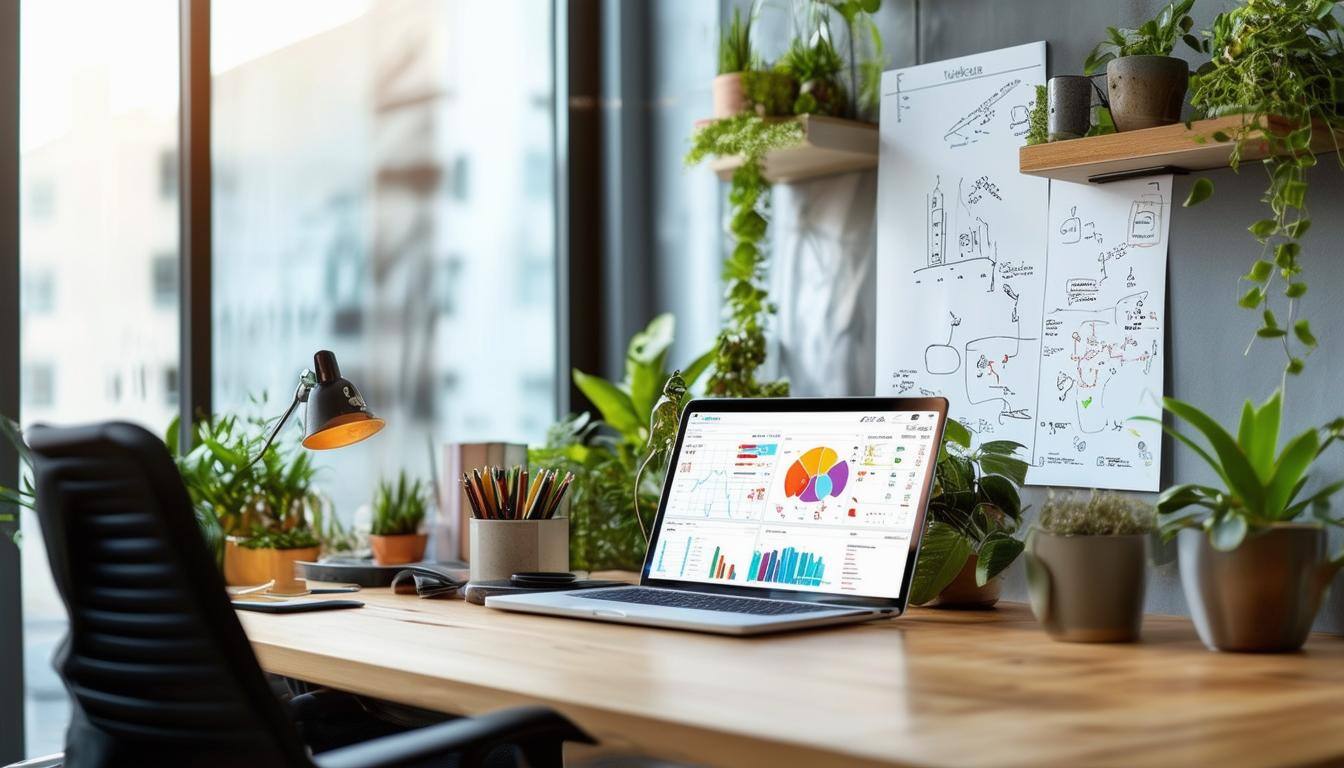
(816, 474)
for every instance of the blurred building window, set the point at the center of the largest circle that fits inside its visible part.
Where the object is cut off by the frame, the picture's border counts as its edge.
(168, 174)
(98, 132)
(163, 278)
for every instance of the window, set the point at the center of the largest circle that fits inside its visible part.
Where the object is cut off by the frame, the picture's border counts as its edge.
(168, 174)
(377, 211)
(98, 117)
(163, 281)
(171, 391)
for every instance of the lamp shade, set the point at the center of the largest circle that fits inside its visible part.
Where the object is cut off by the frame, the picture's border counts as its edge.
(337, 415)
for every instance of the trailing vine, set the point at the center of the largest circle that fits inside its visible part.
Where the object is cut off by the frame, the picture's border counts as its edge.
(1279, 64)
(741, 347)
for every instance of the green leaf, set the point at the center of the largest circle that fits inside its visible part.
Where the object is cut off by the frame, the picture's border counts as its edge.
(1295, 290)
(1262, 229)
(697, 368)
(1285, 254)
(1014, 469)
(1289, 470)
(1199, 192)
(997, 553)
(942, 553)
(1295, 193)
(1298, 228)
(1295, 365)
(1227, 532)
(1271, 333)
(1002, 493)
(1270, 320)
(1262, 442)
(956, 432)
(652, 342)
(615, 406)
(1237, 471)
(1317, 500)
(1002, 447)
(1302, 329)
(1252, 298)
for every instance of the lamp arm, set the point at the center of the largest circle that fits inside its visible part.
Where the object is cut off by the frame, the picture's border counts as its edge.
(306, 383)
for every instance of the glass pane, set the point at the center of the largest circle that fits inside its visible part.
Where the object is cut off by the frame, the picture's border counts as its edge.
(384, 188)
(98, 112)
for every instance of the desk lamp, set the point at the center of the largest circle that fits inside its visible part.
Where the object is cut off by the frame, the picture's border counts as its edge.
(337, 415)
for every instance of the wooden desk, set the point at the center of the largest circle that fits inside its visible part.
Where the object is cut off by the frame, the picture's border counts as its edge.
(934, 688)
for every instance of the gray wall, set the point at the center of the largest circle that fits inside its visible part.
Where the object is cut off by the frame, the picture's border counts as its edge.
(1209, 245)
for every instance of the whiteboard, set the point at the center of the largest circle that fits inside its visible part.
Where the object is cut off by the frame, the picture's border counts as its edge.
(1035, 307)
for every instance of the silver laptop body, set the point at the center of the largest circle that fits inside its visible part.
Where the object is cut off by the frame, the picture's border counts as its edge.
(782, 514)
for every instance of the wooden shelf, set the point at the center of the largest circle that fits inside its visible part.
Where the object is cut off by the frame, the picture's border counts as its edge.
(1157, 149)
(830, 145)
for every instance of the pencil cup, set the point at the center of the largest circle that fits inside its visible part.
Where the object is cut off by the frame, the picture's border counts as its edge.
(501, 548)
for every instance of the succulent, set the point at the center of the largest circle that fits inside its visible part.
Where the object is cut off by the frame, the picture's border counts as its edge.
(1098, 513)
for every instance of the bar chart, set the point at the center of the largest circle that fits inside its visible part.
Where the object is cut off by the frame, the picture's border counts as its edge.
(787, 566)
(720, 568)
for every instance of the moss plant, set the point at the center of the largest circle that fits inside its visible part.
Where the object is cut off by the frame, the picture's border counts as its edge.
(1099, 513)
(1038, 126)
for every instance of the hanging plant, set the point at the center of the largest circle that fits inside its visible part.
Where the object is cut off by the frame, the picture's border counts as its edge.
(740, 348)
(1280, 64)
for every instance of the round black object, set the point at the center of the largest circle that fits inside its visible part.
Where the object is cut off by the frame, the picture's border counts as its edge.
(542, 579)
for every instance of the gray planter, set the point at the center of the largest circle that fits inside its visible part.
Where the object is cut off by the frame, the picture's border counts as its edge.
(1146, 91)
(1069, 107)
(1088, 589)
(1261, 596)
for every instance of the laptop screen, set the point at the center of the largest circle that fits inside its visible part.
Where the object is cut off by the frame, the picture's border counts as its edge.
(807, 501)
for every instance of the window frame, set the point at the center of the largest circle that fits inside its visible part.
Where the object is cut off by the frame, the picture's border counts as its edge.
(579, 252)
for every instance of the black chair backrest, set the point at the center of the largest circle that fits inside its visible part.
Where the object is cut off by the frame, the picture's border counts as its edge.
(158, 668)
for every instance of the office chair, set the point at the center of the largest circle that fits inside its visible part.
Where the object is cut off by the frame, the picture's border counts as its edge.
(157, 665)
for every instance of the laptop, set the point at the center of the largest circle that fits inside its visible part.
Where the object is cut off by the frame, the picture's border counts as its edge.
(778, 514)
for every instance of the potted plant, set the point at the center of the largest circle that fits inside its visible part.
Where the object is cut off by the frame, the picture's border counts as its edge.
(1280, 65)
(1145, 84)
(1086, 566)
(1253, 571)
(735, 58)
(398, 512)
(973, 513)
(263, 511)
(816, 67)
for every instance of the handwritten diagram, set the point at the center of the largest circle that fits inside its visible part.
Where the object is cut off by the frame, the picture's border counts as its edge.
(1102, 335)
(1036, 308)
(961, 249)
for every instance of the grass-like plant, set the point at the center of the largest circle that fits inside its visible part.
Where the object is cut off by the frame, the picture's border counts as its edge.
(1099, 513)
(975, 509)
(735, 53)
(1260, 485)
(399, 507)
(1155, 37)
(1280, 61)
(816, 66)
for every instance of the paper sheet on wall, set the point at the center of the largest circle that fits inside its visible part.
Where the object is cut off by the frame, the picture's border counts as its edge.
(970, 305)
(1102, 353)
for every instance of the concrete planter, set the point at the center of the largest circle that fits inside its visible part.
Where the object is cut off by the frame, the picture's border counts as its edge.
(1261, 596)
(1088, 589)
(1146, 91)
(1068, 107)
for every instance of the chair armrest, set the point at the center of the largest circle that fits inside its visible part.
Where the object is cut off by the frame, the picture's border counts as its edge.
(473, 737)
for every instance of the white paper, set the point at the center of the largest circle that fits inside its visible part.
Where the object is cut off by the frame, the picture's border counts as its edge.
(1035, 307)
(1102, 351)
(962, 240)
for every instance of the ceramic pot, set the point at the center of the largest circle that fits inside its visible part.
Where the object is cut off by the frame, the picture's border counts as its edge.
(400, 549)
(1068, 107)
(1261, 596)
(501, 548)
(1146, 91)
(245, 567)
(729, 97)
(964, 593)
(1087, 589)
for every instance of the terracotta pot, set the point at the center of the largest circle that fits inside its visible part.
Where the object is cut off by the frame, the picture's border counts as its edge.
(1146, 91)
(1087, 589)
(245, 567)
(1261, 596)
(964, 593)
(399, 549)
(729, 96)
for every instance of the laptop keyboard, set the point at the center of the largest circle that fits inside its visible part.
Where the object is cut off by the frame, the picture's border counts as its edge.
(701, 602)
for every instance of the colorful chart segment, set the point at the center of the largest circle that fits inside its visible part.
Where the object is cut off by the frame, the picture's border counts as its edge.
(816, 474)
(788, 566)
(719, 568)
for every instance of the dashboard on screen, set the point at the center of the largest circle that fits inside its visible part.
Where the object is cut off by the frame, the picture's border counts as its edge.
(816, 502)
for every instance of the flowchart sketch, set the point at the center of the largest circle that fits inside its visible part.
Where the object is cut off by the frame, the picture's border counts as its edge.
(961, 244)
(1102, 335)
